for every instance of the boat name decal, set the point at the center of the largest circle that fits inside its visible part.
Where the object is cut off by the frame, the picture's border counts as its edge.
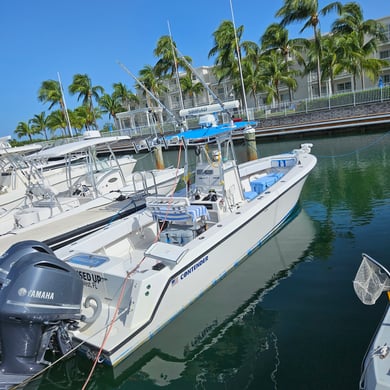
(90, 280)
(40, 294)
(188, 271)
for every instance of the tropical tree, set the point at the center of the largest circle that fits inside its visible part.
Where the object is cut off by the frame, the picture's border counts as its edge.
(153, 83)
(170, 61)
(50, 92)
(189, 87)
(83, 115)
(276, 73)
(39, 124)
(82, 85)
(110, 105)
(332, 55)
(23, 129)
(124, 96)
(364, 35)
(225, 50)
(252, 71)
(276, 38)
(308, 11)
(56, 121)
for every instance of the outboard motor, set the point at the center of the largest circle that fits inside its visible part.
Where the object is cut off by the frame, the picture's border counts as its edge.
(40, 301)
(16, 251)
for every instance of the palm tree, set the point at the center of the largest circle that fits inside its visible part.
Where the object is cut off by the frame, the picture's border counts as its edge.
(252, 71)
(366, 35)
(228, 51)
(82, 85)
(276, 72)
(169, 61)
(154, 83)
(308, 11)
(56, 121)
(86, 117)
(332, 54)
(189, 87)
(276, 38)
(50, 92)
(23, 129)
(225, 50)
(39, 124)
(110, 105)
(124, 96)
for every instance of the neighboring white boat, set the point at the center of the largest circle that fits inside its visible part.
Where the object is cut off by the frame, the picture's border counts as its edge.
(95, 199)
(127, 281)
(13, 172)
(50, 190)
(47, 222)
(371, 280)
(54, 169)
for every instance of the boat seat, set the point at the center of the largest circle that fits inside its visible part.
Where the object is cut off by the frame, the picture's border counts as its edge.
(175, 209)
(261, 184)
(286, 162)
(249, 195)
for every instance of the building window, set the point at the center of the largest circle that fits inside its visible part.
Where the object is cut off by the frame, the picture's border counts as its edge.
(384, 54)
(344, 87)
(386, 79)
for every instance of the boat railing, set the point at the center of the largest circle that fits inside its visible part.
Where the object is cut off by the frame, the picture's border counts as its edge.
(146, 189)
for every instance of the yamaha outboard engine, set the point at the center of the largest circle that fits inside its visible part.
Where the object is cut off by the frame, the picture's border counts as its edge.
(16, 251)
(40, 300)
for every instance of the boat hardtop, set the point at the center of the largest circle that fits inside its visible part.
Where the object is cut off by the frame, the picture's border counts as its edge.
(76, 146)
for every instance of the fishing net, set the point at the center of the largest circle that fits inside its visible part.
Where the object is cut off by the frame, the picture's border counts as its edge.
(371, 280)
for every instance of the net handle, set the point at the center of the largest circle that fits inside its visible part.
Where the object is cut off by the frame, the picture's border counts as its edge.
(384, 269)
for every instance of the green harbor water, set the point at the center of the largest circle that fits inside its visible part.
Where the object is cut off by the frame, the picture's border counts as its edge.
(287, 317)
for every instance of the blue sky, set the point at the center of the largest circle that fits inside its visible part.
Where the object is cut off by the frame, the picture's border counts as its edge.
(41, 38)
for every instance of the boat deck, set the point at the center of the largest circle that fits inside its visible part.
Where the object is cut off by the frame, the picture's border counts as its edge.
(51, 230)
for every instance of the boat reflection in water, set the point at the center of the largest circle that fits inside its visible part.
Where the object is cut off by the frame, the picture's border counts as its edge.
(218, 336)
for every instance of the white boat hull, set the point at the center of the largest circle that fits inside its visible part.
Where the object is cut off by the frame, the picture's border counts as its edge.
(375, 374)
(154, 299)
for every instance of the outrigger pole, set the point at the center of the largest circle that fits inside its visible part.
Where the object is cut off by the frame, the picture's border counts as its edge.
(218, 100)
(149, 92)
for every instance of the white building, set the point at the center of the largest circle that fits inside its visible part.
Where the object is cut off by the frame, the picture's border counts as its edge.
(174, 100)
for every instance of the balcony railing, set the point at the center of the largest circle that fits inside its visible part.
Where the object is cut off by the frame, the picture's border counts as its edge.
(286, 108)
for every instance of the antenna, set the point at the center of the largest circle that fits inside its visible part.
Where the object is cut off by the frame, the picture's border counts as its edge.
(239, 61)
